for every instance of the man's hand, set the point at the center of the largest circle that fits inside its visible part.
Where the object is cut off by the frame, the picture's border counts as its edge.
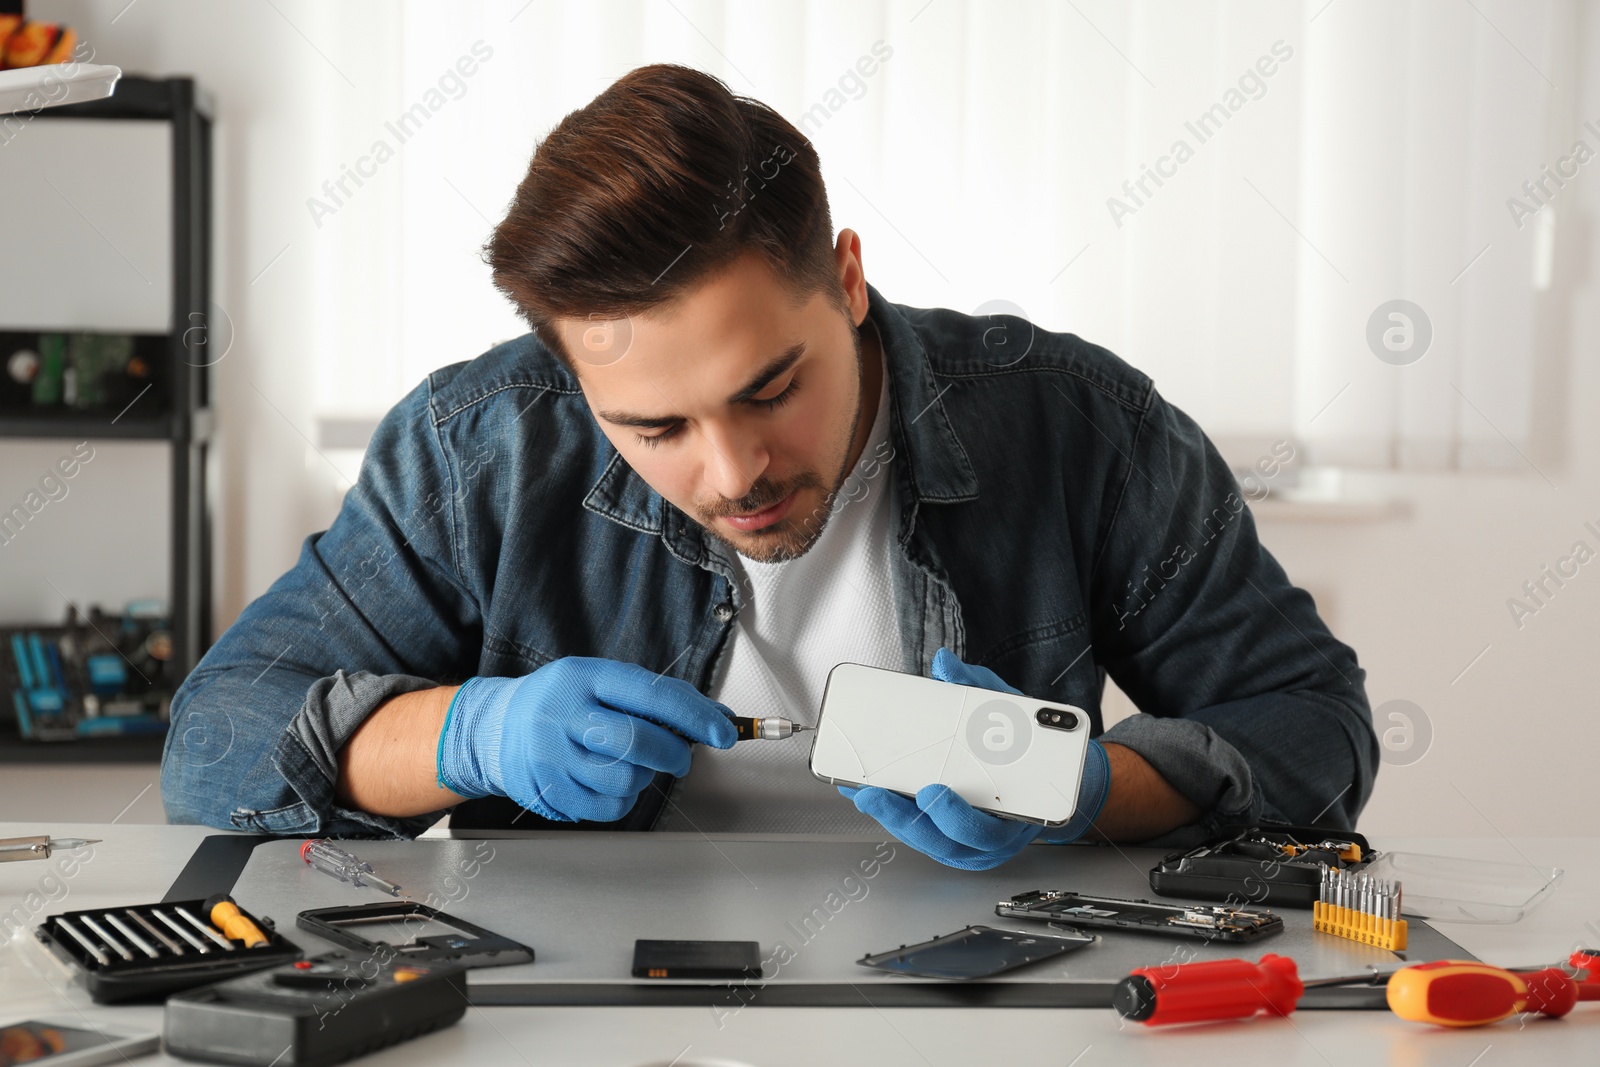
(944, 826)
(579, 738)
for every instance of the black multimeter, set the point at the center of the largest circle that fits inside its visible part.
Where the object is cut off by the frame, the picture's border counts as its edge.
(318, 1011)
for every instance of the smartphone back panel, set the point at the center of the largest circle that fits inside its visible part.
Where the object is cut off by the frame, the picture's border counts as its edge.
(1008, 755)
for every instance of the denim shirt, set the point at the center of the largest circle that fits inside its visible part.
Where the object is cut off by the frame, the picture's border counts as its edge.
(1053, 518)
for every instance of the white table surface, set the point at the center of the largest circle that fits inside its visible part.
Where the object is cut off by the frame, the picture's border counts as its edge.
(136, 864)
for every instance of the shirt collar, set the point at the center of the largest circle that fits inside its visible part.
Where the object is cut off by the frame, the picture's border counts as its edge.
(938, 465)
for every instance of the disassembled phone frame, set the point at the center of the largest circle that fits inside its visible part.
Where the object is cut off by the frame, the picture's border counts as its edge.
(1211, 922)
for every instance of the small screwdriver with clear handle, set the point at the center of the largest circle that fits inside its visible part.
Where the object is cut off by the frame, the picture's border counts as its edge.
(329, 858)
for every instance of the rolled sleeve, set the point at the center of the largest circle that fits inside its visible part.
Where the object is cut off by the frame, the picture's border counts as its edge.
(307, 753)
(1197, 762)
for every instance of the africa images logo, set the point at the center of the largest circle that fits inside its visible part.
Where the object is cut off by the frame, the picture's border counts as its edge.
(998, 732)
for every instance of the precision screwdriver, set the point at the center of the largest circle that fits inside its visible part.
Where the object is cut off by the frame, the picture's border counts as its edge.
(772, 728)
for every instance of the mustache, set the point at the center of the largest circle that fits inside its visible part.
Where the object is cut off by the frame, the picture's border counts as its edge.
(763, 494)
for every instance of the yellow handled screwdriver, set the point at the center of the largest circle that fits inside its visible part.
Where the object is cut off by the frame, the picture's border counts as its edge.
(225, 915)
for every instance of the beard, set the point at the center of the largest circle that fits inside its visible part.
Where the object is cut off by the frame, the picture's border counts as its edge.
(791, 536)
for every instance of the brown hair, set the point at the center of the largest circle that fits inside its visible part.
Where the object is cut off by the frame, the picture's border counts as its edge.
(662, 179)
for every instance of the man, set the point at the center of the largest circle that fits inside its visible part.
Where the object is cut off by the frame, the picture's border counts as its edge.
(721, 463)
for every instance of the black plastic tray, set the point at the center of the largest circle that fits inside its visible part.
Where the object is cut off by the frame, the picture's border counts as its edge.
(1209, 872)
(147, 979)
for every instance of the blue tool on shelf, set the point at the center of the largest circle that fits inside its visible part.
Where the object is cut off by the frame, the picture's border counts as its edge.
(41, 701)
(117, 725)
(41, 666)
(57, 673)
(107, 674)
(19, 652)
(98, 676)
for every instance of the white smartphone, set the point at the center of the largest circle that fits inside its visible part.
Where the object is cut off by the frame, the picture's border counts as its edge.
(1008, 755)
(56, 1044)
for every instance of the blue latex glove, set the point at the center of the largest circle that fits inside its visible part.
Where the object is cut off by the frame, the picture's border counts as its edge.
(942, 825)
(579, 738)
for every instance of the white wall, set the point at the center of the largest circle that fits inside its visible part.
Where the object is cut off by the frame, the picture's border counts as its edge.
(103, 541)
(1420, 598)
(1515, 736)
(290, 307)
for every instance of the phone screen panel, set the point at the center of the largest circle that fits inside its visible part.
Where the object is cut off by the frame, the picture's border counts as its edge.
(36, 1041)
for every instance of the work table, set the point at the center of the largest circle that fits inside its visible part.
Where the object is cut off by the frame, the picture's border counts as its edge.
(137, 863)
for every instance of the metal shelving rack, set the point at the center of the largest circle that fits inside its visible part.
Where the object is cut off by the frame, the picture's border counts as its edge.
(186, 425)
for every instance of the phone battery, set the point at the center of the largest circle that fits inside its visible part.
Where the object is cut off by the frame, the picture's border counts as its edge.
(319, 1011)
(696, 959)
(1209, 922)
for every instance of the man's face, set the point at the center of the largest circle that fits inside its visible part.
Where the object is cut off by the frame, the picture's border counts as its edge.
(737, 404)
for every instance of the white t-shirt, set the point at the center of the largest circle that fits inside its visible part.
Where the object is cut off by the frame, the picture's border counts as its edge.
(799, 618)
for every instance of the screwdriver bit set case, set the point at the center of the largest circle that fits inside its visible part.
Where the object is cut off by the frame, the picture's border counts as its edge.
(1262, 864)
(146, 951)
(1276, 863)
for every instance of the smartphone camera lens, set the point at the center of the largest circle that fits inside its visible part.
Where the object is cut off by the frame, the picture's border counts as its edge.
(1056, 719)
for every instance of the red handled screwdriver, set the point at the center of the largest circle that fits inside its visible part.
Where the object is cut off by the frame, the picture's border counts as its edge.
(1202, 992)
(1461, 993)
(1446, 992)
